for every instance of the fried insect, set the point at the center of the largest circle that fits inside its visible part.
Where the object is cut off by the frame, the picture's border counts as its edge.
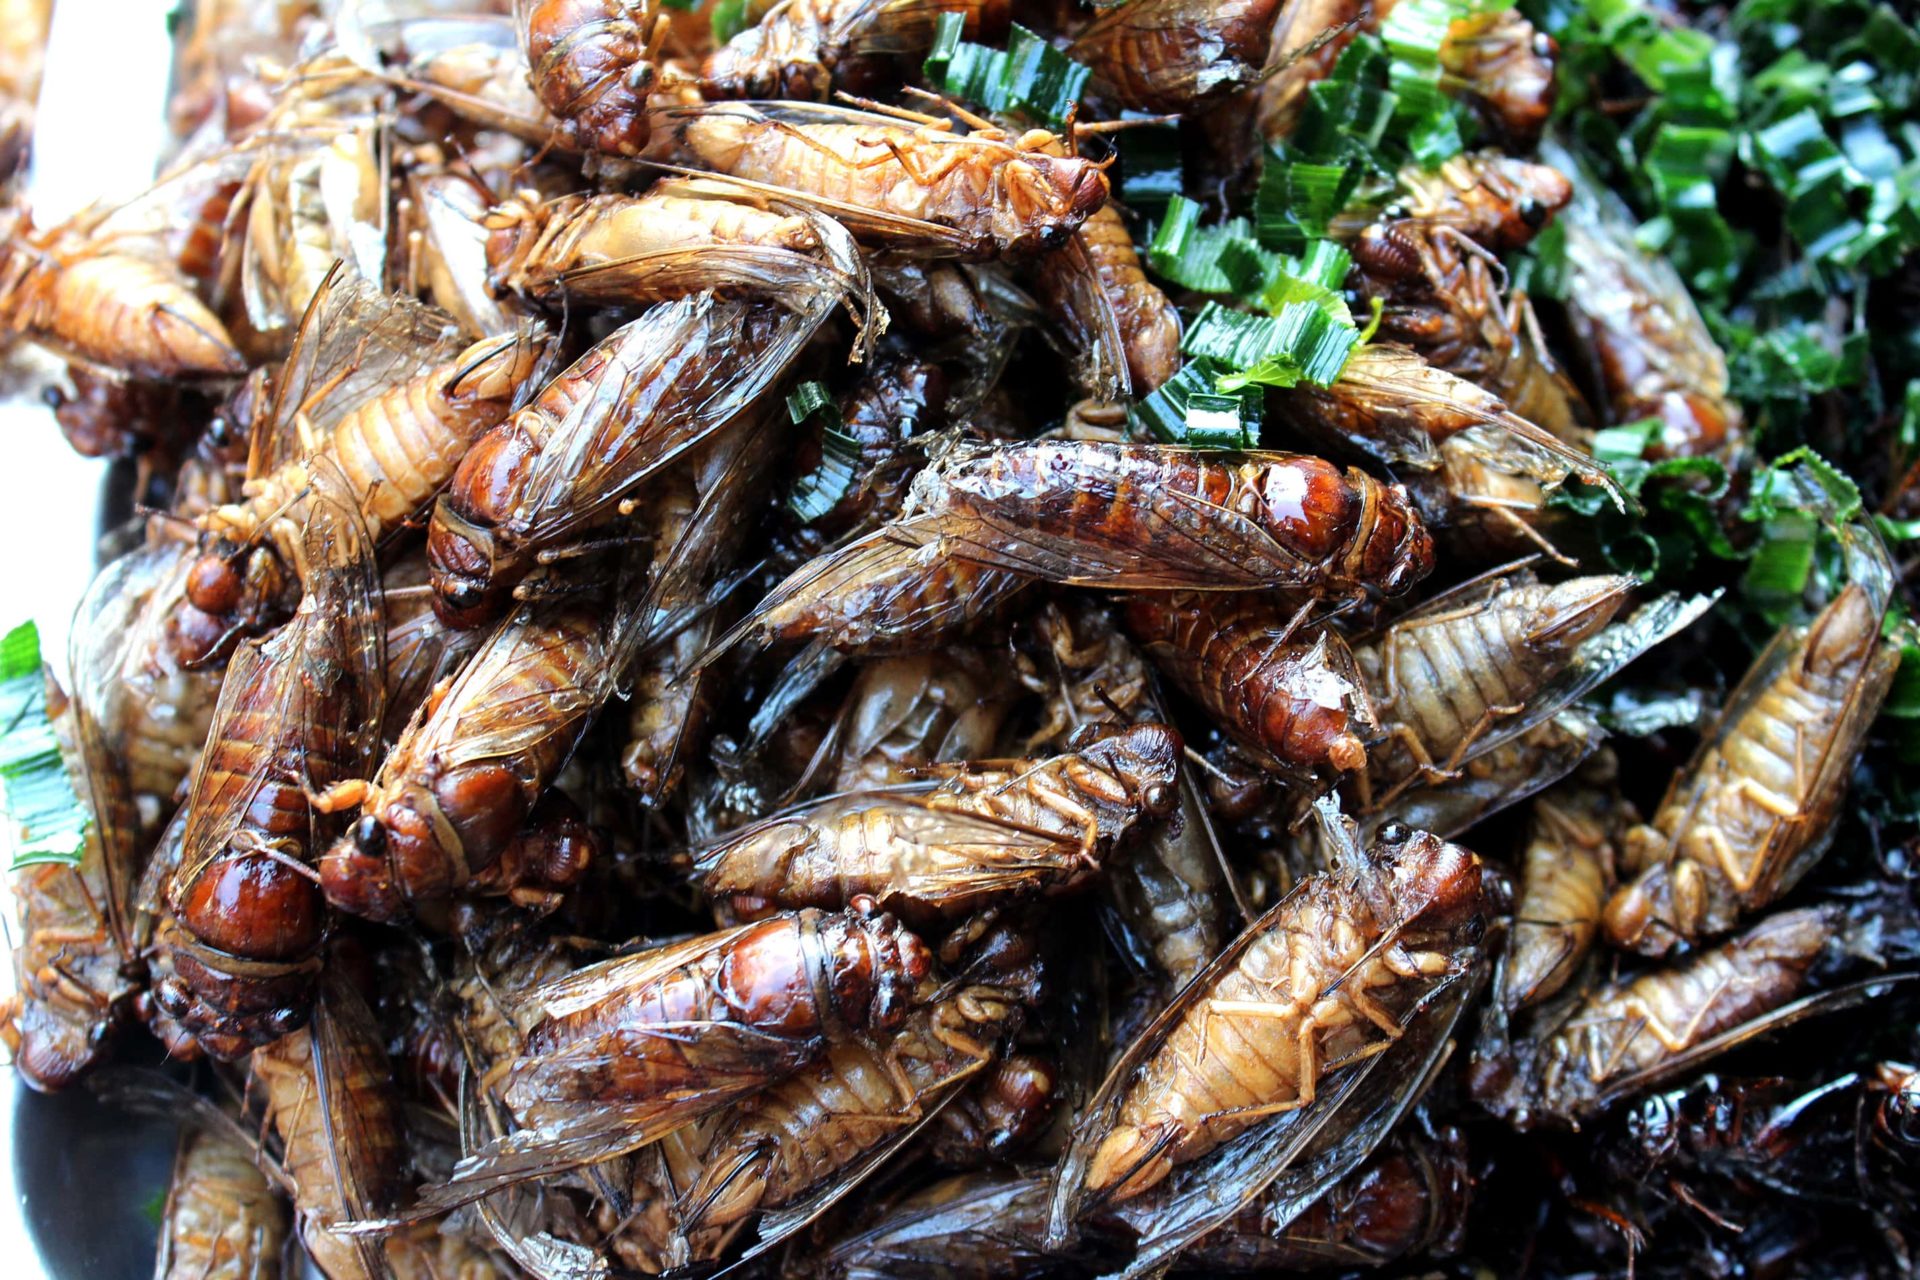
(682, 236)
(1410, 1199)
(1392, 404)
(1634, 1033)
(1147, 517)
(592, 63)
(809, 1140)
(447, 242)
(653, 390)
(1647, 348)
(1003, 1111)
(806, 48)
(1308, 38)
(1566, 871)
(626, 1051)
(1098, 291)
(330, 1095)
(1229, 1084)
(1482, 510)
(77, 964)
(111, 303)
(146, 665)
(912, 181)
(1167, 886)
(1443, 677)
(876, 596)
(960, 1228)
(1171, 55)
(1755, 808)
(443, 815)
(904, 713)
(896, 398)
(1499, 202)
(223, 1220)
(994, 829)
(396, 448)
(1503, 67)
(1441, 296)
(1296, 705)
(294, 731)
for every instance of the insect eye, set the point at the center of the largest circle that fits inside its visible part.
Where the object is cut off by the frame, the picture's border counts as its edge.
(1531, 211)
(1396, 833)
(1159, 797)
(1053, 237)
(369, 837)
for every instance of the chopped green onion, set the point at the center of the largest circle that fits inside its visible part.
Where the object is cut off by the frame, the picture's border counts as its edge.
(1297, 199)
(1186, 409)
(1218, 259)
(1303, 343)
(1029, 75)
(808, 399)
(44, 820)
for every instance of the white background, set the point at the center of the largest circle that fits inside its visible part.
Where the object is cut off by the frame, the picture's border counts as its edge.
(100, 127)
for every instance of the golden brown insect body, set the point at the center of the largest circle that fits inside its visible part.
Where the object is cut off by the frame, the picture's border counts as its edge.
(1637, 1031)
(441, 816)
(330, 1095)
(1144, 517)
(1441, 296)
(626, 1051)
(990, 830)
(906, 712)
(1096, 285)
(1503, 67)
(1566, 871)
(652, 390)
(1442, 677)
(108, 305)
(806, 48)
(1296, 704)
(1499, 202)
(397, 449)
(1169, 55)
(1327, 979)
(592, 64)
(806, 1130)
(294, 731)
(979, 195)
(223, 1220)
(77, 961)
(1754, 808)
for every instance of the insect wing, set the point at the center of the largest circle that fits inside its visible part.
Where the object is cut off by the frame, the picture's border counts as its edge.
(673, 377)
(365, 1151)
(723, 1062)
(1296, 1158)
(1510, 774)
(1181, 541)
(775, 1225)
(353, 342)
(342, 675)
(1818, 1003)
(1095, 327)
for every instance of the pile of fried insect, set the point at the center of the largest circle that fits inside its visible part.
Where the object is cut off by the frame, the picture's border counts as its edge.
(729, 659)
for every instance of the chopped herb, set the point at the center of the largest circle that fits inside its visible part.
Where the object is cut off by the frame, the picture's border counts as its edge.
(1029, 76)
(44, 820)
